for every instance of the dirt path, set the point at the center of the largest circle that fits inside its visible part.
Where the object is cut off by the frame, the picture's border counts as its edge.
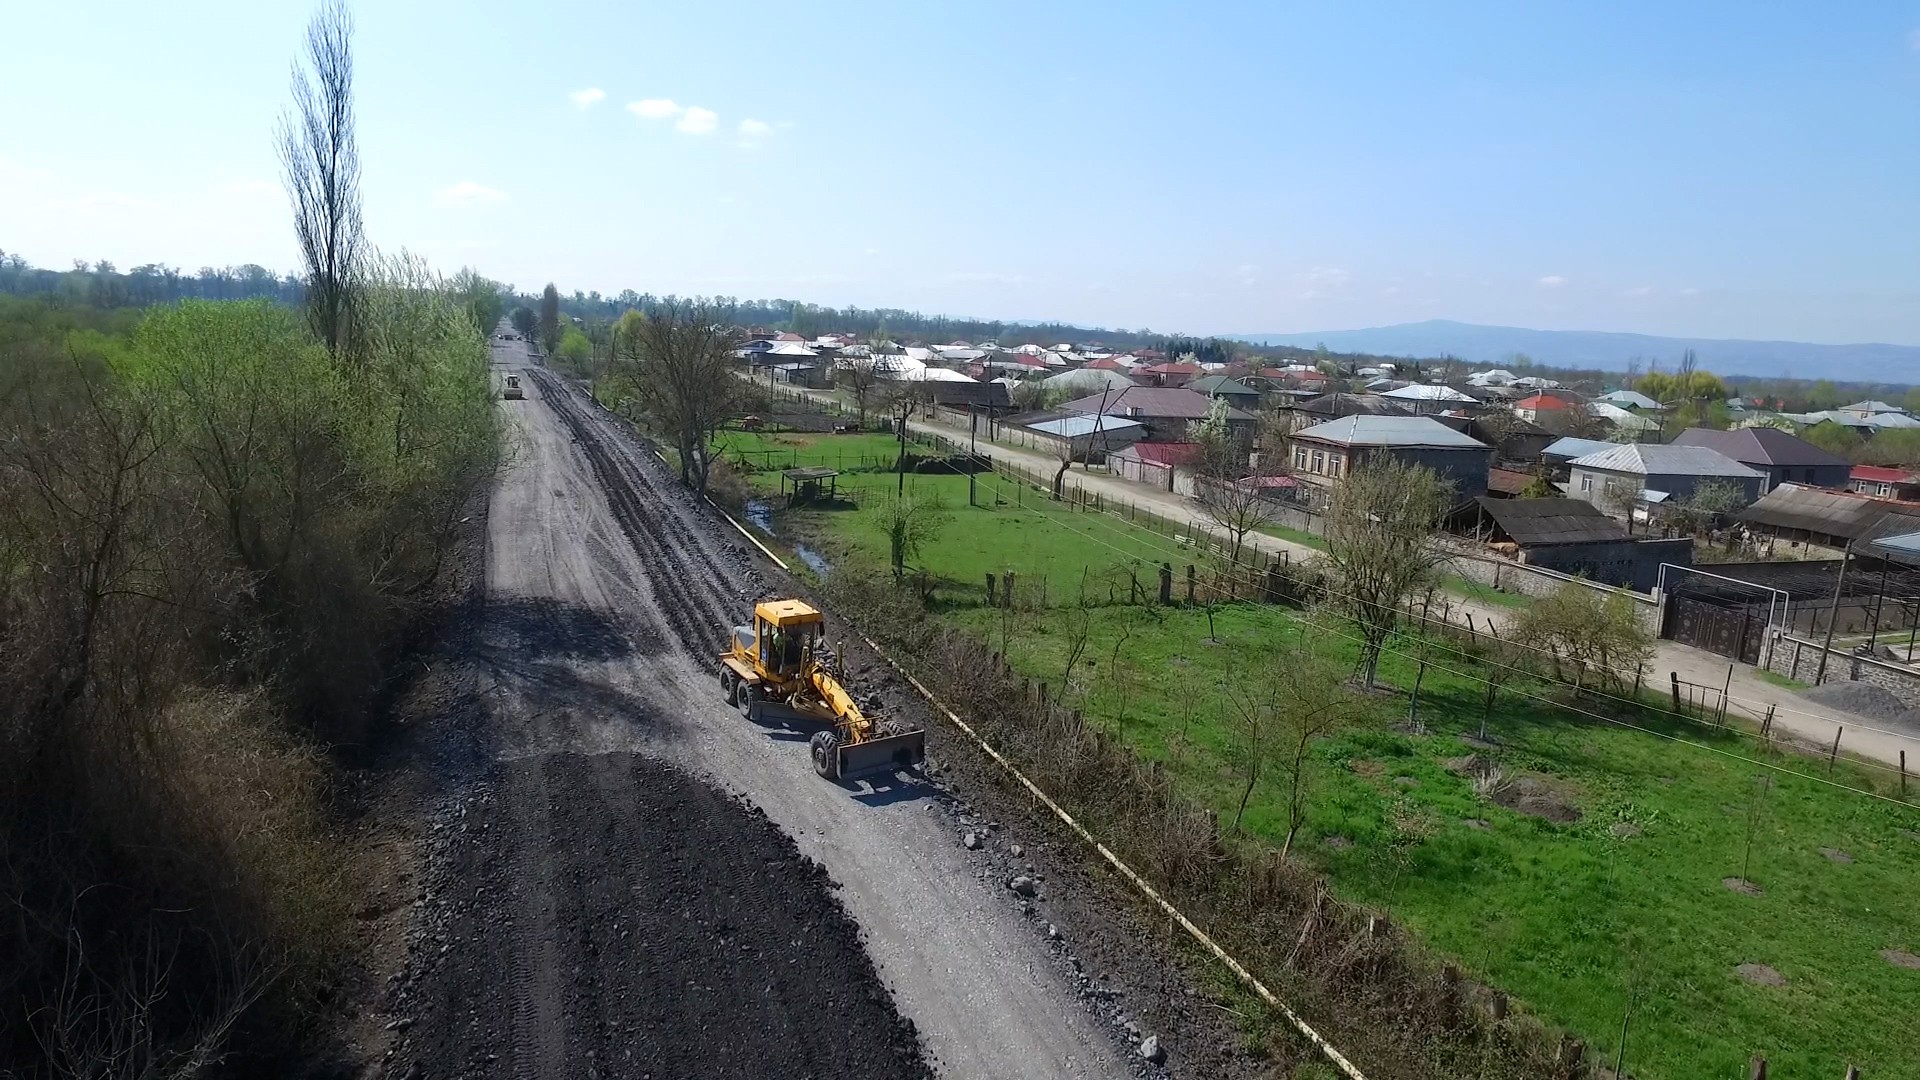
(595, 902)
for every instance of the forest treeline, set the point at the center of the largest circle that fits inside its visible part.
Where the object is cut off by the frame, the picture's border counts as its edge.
(223, 505)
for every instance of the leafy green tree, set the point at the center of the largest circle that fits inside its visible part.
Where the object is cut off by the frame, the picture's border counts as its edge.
(1900, 446)
(575, 347)
(681, 378)
(483, 300)
(1596, 631)
(524, 320)
(1833, 438)
(550, 318)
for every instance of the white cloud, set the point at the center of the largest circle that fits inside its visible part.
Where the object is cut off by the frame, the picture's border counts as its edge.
(588, 98)
(1552, 281)
(655, 108)
(1689, 291)
(1326, 275)
(1637, 291)
(1391, 290)
(698, 121)
(755, 129)
(467, 193)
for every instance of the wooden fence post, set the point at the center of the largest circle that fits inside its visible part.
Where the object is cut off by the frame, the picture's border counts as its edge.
(993, 599)
(1903, 774)
(1190, 576)
(1834, 754)
(1166, 583)
(1675, 677)
(1757, 1069)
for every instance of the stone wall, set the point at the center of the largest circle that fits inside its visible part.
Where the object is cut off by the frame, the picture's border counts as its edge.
(1799, 658)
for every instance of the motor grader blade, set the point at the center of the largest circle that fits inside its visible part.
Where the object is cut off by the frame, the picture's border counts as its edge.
(884, 754)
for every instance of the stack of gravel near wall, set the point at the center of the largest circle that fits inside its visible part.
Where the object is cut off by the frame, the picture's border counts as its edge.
(1869, 701)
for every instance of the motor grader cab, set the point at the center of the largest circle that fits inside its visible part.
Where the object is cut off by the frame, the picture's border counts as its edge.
(781, 667)
(513, 391)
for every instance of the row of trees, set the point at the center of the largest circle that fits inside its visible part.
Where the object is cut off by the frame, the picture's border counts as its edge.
(216, 520)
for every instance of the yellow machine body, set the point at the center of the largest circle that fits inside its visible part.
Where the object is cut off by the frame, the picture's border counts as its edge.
(781, 667)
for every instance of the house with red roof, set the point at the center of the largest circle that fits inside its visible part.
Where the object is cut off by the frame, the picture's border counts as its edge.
(1168, 375)
(1885, 482)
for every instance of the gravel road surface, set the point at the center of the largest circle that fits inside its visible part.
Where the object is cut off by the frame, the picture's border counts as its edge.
(599, 899)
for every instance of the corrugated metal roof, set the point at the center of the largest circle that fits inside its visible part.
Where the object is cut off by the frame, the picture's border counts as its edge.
(1645, 460)
(1390, 431)
(1830, 513)
(1153, 401)
(1630, 398)
(1570, 447)
(1428, 393)
(1552, 521)
(1171, 453)
(1069, 427)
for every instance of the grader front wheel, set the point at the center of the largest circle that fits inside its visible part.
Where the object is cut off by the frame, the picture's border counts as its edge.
(825, 747)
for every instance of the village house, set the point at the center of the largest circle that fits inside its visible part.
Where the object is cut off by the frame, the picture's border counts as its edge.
(1325, 454)
(1781, 457)
(1617, 480)
(1885, 482)
(1167, 412)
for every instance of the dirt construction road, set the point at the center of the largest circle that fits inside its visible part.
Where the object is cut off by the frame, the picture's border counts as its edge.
(597, 905)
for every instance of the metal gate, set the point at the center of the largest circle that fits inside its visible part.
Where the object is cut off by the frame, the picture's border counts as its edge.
(1730, 631)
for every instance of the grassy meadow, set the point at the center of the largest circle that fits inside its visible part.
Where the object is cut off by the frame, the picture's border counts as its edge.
(1619, 915)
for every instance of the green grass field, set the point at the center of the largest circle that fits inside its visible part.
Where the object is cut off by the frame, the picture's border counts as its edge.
(1574, 919)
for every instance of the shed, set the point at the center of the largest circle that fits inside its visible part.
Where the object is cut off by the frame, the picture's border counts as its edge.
(1831, 519)
(1167, 466)
(1573, 536)
(1089, 437)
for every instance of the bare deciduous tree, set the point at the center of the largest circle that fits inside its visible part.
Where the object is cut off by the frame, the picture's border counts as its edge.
(681, 376)
(1280, 710)
(1227, 487)
(321, 159)
(861, 377)
(1379, 547)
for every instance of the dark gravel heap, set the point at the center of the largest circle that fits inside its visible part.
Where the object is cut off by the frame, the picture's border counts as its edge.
(696, 941)
(1867, 700)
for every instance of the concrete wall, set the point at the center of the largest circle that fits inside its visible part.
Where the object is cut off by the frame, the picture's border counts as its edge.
(1799, 658)
(1630, 564)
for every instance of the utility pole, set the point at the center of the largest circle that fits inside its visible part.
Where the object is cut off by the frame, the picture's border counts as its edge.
(973, 451)
(1833, 612)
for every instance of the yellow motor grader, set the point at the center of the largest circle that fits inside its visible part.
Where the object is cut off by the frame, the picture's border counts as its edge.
(780, 667)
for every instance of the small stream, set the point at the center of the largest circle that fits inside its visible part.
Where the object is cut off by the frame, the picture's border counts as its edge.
(760, 513)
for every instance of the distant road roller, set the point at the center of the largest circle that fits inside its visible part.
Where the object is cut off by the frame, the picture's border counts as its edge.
(780, 667)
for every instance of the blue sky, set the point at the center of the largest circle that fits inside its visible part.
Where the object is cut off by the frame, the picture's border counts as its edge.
(1739, 170)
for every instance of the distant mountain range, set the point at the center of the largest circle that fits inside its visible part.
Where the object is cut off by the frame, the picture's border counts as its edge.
(1897, 364)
